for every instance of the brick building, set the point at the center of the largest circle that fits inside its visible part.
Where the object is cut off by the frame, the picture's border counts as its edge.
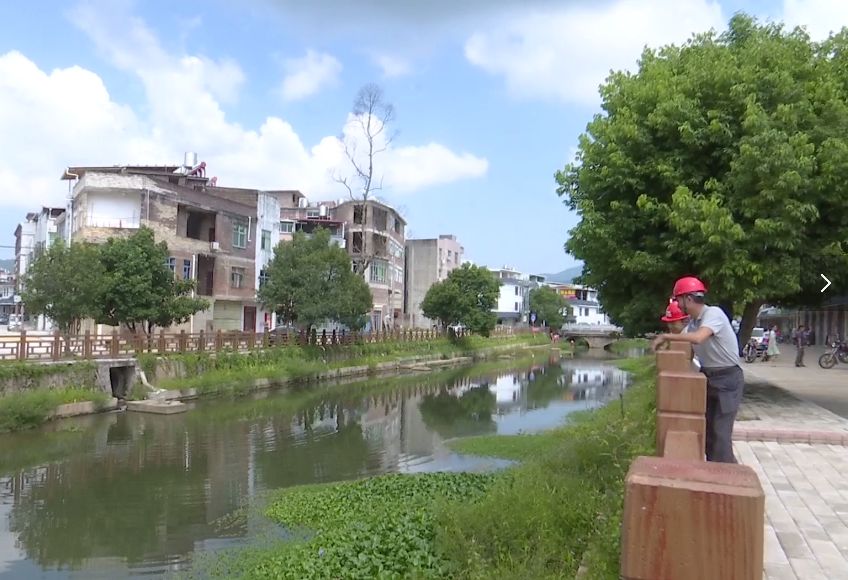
(350, 222)
(215, 235)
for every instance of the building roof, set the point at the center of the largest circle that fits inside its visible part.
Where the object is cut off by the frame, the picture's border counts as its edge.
(371, 201)
(75, 172)
(575, 302)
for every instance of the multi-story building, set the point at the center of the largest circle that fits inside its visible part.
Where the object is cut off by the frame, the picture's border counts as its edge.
(32, 237)
(585, 308)
(428, 261)
(7, 293)
(371, 231)
(221, 237)
(513, 298)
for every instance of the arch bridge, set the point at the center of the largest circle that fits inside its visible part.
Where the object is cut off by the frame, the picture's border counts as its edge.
(595, 335)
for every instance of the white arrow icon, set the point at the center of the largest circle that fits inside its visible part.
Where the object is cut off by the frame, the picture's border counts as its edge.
(826, 280)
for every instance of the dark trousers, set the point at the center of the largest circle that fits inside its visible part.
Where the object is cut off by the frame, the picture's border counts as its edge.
(724, 394)
(799, 356)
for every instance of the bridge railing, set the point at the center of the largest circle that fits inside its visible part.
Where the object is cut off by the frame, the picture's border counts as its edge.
(592, 328)
(685, 518)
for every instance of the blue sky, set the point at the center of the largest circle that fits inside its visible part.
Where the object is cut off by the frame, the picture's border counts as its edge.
(490, 97)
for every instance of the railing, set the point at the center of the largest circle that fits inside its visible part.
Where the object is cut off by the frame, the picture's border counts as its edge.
(25, 347)
(685, 518)
(592, 328)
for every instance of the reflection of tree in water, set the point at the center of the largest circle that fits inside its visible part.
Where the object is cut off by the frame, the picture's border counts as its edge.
(135, 505)
(547, 384)
(452, 416)
(316, 455)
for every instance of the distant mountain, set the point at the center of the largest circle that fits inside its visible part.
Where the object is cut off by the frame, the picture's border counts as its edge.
(7, 264)
(564, 277)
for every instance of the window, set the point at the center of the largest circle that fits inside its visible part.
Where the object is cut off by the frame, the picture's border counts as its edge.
(266, 239)
(357, 242)
(378, 271)
(398, 274)
(516, 290)
(450, 255)
(263, 277)
(239, 234)
(359, 214)
(398, 226)
(171, 264)
(186, 269)
(516, 306)
(286, 227)
(313, 213)
(237, 278)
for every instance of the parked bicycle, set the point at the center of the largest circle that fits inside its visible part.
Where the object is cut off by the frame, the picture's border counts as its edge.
(838, 352)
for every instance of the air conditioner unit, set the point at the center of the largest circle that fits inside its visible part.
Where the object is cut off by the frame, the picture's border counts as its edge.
(214, 246)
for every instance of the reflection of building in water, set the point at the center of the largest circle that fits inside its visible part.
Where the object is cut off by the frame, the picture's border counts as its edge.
(596, 383)
(509, 391)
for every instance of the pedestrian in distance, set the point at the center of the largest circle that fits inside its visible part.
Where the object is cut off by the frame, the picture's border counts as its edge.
(712, 338)
(800, 346)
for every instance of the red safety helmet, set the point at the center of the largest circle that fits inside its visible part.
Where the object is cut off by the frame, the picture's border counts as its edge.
(688, 285)
(673, 313)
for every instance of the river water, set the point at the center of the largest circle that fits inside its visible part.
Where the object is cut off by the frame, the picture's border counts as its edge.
(124, 495)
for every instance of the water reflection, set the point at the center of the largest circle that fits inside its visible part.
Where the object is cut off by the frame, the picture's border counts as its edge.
(128, 494)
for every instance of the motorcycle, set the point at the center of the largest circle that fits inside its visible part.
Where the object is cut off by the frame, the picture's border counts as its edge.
(752, 350)
(838, 352)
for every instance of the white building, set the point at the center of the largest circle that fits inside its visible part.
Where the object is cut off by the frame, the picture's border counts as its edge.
(585, 307)
(32, 237)
(513, 296)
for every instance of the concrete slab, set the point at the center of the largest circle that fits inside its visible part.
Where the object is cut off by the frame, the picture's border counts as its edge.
(157, 407)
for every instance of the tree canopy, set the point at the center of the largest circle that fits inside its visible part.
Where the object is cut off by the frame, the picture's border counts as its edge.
(311, 281)
(725, 158)
(548, 305)
(466, 296)
(64, 284)
(139, 290)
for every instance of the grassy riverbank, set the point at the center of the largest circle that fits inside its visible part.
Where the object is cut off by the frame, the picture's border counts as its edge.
(28, 409)
(237, 373)
(535, 520)
(625, 345)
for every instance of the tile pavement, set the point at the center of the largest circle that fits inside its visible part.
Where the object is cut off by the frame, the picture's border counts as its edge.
(800, 453)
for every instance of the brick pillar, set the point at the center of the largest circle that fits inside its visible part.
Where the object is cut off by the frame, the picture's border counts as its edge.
(687, 520)
(681, 405)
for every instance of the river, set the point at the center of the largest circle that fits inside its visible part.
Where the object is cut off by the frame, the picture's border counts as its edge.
(125, 495)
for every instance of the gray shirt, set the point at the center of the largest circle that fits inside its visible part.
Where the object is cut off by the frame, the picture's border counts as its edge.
(721, 349)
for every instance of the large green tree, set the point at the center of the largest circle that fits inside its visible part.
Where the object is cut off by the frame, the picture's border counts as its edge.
(64, 284)
(466, 296)
(548, 304)
(726, 158)
(311, 281)
(139, 290)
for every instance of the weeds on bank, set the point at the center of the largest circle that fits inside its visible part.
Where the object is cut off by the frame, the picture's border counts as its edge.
(235, 373)
(30, 408)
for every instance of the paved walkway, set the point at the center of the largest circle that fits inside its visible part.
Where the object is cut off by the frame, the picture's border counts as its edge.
(799, 450)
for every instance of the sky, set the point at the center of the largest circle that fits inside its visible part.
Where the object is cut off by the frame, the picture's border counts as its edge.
(490, 97)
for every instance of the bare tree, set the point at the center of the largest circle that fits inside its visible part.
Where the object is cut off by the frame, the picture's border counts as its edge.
(371, 136)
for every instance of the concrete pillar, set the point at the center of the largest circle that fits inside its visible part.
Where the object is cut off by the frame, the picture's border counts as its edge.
(688, 520)
(682, 392)
(669, 421)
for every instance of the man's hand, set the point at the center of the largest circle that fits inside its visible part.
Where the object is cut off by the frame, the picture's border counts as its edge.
(658, 342)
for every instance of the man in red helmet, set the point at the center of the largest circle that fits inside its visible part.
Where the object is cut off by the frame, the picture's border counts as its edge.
(714, 342)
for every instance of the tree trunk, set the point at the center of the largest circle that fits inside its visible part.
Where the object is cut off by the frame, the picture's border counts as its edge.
(749, 320)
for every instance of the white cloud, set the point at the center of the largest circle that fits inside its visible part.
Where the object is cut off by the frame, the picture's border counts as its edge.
(820, 17)
(392, 66)
(308, 75)
(565, 53)
(52, 119)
